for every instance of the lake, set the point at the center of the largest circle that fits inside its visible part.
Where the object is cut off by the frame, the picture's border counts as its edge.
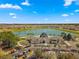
(38, 32)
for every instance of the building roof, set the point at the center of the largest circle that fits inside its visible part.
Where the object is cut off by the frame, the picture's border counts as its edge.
(43, 35)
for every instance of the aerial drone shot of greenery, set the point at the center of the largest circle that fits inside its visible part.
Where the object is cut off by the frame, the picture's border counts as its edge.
(39, 41)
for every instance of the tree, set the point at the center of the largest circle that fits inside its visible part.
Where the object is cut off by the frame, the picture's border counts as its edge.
(64, 35)
(8, 39)
(69, 37)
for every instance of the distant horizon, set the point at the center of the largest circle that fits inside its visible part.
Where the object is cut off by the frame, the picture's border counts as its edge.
(36, 23)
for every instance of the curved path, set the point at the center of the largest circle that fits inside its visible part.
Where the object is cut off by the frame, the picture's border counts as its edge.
(52, 48)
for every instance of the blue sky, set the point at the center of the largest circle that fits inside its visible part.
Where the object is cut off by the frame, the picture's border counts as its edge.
(39, 11)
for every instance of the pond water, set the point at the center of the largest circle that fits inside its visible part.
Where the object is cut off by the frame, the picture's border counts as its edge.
(38, 32)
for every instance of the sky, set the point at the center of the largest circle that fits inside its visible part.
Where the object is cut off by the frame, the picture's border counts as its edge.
(39, 11)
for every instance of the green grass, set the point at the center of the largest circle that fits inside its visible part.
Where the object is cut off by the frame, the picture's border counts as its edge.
(71, 31)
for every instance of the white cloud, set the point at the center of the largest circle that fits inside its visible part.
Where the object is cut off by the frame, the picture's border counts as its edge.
(26, 2)
(65, 15)
(69, 2)
(10, 6)
(76, 10)
(13, 15)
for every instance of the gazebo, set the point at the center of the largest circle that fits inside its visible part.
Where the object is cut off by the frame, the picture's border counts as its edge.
(43, 35)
